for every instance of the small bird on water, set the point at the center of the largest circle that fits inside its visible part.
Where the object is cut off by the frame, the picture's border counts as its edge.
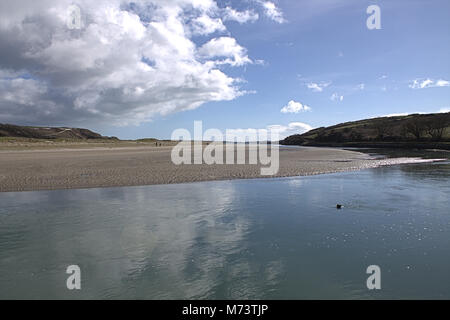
(339, 206)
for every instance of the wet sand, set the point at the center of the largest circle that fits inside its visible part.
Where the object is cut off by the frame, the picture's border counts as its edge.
(48, 169)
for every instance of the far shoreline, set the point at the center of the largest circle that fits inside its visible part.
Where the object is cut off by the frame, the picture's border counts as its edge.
(378, 145)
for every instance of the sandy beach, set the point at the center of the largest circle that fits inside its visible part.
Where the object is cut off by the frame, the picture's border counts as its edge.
(68, 168)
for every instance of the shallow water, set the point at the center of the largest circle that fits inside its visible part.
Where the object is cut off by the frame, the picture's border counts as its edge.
(242, 239)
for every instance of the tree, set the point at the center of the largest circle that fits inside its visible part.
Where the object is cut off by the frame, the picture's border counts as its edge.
(436, 128)
(383, 130)
(414, 127)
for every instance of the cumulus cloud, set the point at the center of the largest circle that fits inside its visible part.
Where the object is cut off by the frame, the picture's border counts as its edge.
(428, 83)
(129, 61)
(295, 107)
(317, 87)
(225, 47)
(272, 11)
(231, 14)
(205, 25)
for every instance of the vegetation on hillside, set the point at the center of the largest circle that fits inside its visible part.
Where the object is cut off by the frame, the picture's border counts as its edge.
(415, 129)
(48, 133)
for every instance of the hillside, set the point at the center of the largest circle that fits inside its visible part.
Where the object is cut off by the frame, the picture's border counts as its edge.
(415, 131)
(9, 130)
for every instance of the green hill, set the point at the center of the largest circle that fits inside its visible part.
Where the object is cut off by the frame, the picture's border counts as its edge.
(411, 131)
(48, 133)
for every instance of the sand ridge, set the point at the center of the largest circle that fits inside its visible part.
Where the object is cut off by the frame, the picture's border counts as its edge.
(28, 170)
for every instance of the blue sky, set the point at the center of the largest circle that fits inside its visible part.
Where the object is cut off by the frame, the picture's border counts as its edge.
(318, 54)
(330, 43)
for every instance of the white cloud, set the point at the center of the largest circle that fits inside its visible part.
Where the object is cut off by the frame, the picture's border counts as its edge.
(225, 47)
(396, 114)
(295, 107)
(336, 97)
(290, 129)
(272, 132)
(21, 91)
(428, 83)
(317, 87)
(442, 83)
(272, 11)
(442, 110)
(240, 16)
(131, 61)
(361, 86)
(205, 25)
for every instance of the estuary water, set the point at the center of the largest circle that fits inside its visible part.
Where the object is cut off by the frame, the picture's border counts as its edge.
(242, 239)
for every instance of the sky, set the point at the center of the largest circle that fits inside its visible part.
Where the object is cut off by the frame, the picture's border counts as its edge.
(144, 68)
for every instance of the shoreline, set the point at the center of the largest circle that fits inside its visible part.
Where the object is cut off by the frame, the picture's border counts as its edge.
(60, 169)
(267, 178)
(420, 145)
